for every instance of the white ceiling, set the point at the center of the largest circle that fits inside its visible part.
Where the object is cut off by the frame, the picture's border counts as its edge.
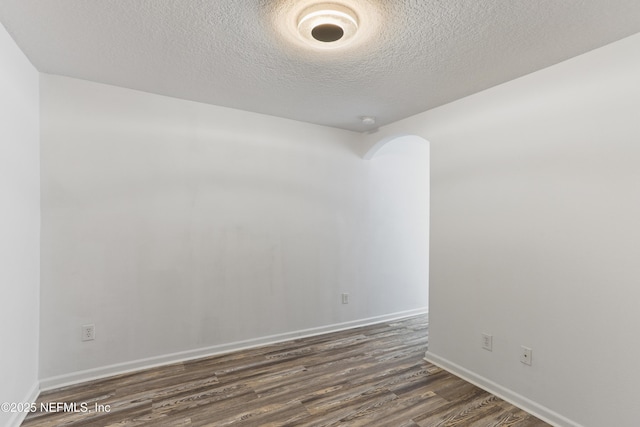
(233, 53)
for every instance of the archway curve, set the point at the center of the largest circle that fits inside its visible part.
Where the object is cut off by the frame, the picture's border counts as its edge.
(375, 148)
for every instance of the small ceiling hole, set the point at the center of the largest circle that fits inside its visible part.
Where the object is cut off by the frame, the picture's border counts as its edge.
(327, 33)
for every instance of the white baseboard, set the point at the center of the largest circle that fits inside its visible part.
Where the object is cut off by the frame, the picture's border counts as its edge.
(32, 396)
(152, 362)
(504, 393)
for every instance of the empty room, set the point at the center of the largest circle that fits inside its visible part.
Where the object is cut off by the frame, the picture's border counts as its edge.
(319, 213)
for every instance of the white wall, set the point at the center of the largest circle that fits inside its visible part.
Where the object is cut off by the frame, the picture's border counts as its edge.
(535, 236)
(396, 224)
(180, 228)
(19, 227)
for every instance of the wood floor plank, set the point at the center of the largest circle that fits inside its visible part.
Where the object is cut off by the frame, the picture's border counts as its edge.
(367, 376)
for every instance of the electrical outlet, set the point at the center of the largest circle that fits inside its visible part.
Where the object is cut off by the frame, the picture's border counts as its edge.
(345, 298)
(487, 342)
(525, 355)
(88, 332)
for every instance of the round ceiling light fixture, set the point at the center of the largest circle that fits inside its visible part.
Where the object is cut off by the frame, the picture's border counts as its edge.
(327, 25)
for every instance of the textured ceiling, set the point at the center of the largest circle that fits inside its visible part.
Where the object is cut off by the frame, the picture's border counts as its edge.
(235, 53)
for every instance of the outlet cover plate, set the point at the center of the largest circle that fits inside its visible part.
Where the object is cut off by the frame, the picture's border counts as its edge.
(88, 333)
(487, 342)
(525, 355)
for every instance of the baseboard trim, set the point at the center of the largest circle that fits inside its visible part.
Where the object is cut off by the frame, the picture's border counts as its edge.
(32, 396)
(504, 393)
(152, 362)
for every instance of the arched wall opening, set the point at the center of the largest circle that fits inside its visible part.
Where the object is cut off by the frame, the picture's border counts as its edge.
(399, 212)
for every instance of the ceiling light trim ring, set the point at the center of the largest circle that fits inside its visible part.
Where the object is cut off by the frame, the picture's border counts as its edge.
(326, 14)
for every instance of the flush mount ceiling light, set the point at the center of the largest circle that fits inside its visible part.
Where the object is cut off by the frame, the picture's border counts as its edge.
(327, 25)
(333, 25)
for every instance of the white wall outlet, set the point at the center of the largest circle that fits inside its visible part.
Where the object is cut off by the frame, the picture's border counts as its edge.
(88, 332)
(525, 355)
(487, 342)
(345, 298)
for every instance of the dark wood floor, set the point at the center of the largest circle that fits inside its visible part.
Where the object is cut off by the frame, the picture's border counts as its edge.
(370, 376)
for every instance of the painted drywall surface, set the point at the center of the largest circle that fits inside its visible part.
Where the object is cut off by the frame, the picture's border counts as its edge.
(19, 226)
(397, 220)
(534, 233)
(173, 225)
